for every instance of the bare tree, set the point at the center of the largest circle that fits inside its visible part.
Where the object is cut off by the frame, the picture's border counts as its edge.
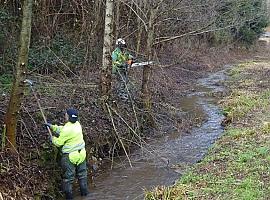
(146, 96)
(267, 3)
(17, 91)
(117, 19)
(164, 21)
(105, 76)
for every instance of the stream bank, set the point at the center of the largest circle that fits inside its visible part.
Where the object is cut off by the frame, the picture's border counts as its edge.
(37, 171)
(237, 166)
(162, 160)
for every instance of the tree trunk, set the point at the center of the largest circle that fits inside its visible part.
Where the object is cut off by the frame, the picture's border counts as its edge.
(17, 91)
(140, 30)
(146, 96)
(147, 72)
(268, 9)
(117, 19)
(105, 76)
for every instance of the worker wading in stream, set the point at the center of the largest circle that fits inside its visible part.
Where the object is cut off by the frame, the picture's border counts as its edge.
(70, 138)
(121, 60)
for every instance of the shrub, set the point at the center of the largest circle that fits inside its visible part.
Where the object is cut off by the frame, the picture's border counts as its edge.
(242, 21)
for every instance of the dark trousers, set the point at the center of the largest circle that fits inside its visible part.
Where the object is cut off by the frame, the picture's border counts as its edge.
(122, 80)
(70, 171)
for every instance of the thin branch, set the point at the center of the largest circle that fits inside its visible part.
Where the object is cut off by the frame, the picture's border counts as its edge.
(130, 97)
(191, 33)
(118, 136)
(34, 141)
(122, 119)
(62, 62)
(145, 26)
(114, 146)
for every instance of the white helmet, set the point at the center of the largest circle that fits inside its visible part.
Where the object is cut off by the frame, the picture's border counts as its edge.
(120, 42)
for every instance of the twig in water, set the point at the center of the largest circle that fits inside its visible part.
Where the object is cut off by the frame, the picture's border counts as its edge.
(122, 119)
(113, 154)
(118, 136)
(150, 151)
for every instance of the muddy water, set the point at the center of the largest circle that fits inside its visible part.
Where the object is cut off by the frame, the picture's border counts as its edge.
(163, 160)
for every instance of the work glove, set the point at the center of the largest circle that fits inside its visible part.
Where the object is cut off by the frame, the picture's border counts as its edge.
(48, 125)
(50, 139)
(129, 62)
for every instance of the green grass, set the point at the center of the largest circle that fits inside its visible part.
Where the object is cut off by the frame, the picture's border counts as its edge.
(239, 104)
(238, 165)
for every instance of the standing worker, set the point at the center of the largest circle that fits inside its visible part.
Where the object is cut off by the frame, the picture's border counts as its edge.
(121, 60)
(73, 161)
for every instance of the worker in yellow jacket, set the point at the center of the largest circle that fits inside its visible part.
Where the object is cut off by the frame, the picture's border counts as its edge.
(70, 138)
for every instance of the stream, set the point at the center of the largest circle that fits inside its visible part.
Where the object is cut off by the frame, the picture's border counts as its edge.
(163, 160)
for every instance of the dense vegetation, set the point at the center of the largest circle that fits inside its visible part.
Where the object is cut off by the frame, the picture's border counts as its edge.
(71, 31)
(66, 55)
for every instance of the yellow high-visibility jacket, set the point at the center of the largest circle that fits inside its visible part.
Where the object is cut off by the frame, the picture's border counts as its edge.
(71, 140)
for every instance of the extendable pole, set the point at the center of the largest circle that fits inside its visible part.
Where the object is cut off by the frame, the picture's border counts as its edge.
(40, 108)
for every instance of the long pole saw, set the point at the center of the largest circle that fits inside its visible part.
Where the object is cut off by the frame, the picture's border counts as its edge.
(30, 83)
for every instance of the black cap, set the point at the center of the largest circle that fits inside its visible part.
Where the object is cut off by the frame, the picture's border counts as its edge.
(72, 115)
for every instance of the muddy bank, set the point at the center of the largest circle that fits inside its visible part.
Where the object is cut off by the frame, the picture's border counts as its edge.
(162, 160)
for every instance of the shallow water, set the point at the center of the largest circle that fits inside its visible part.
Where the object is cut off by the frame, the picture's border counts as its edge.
(163, 160)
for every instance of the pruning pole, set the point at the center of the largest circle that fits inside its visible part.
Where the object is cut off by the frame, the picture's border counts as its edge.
(37, 99)
(41, 110)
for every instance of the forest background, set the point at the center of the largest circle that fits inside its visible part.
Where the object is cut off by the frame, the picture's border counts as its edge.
(182, 37)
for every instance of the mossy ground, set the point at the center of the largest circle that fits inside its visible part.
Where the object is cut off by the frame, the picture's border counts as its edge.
(238, 165)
